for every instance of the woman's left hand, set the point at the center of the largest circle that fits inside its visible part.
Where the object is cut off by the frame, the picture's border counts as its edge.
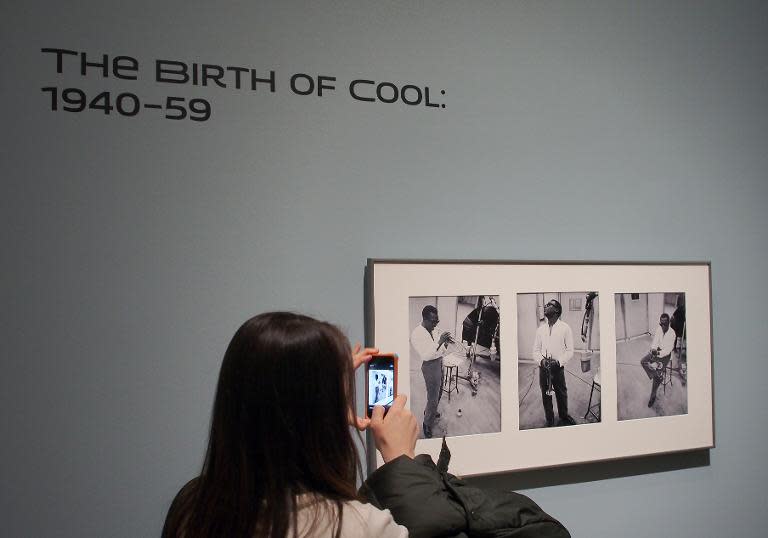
(360, 356)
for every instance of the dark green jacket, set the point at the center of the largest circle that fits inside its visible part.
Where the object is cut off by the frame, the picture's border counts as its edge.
(431, 502)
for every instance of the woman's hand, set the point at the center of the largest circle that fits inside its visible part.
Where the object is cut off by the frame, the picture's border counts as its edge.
(360, 357)
(395, 434)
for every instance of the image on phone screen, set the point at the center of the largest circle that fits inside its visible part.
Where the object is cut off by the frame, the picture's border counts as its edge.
(381, 381)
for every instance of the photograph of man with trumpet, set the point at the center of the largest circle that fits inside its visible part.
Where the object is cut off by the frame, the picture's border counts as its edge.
(554, 343)
(455, 380)
(430, 349)
(546, 353)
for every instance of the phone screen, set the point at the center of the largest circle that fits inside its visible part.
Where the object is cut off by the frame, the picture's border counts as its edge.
(381, 381)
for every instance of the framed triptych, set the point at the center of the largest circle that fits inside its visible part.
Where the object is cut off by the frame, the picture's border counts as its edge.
(524, 365)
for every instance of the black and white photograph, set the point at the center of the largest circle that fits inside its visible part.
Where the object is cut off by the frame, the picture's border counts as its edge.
(455, 364)
(558, 337)
(380, 387)
(577, 378)
(651, 355)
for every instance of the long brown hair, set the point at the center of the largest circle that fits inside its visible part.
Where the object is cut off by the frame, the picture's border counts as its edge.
(279, 429)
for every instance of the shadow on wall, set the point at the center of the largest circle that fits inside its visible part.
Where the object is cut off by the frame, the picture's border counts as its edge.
(590, 472)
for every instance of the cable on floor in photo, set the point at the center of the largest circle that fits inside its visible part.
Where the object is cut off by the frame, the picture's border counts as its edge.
(589, 383)
(533, 377)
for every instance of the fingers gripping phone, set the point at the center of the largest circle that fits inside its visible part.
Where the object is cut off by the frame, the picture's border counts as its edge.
(380, 381)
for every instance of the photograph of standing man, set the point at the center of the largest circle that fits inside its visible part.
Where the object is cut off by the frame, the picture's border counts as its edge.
(659, 355)
(554, 345)
(430, 350)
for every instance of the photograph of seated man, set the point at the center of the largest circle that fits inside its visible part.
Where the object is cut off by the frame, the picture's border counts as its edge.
(455, 380)
(547, 349)
(659, 355)
(651, 366)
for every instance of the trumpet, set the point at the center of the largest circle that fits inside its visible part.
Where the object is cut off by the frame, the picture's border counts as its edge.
(548, 362)
(451, 339)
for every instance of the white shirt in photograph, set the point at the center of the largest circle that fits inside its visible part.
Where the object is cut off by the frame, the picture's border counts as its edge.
(425, 344)
(555, 342)
(665, 341)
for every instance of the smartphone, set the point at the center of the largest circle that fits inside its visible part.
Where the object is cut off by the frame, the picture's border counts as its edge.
(380, 381)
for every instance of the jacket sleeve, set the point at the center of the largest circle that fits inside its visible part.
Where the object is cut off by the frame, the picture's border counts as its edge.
(431, 504)
(504, 514)
(414, 491)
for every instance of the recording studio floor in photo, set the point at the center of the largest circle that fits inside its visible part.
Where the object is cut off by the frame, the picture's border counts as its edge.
(579, 386)
(479, 414)
(634, 387)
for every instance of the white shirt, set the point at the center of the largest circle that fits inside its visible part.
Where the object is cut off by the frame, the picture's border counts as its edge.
(665, 341)
(555, 342)
(425, 344)
(318, 518)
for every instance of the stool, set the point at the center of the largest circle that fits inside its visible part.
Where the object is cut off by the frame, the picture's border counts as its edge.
(591, 408)
(450, 379)
(666, 374)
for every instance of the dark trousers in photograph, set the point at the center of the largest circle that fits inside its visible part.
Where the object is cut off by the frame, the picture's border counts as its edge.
(654, 373)
(433, 378)
(561, 394)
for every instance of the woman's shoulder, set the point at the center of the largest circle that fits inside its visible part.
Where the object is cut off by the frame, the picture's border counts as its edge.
(374, 521)
(318, 519)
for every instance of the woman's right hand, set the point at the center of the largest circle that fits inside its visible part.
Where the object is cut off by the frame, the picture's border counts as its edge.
(395, 434)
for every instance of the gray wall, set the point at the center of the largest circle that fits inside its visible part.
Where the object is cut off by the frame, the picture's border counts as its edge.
(134, 247)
